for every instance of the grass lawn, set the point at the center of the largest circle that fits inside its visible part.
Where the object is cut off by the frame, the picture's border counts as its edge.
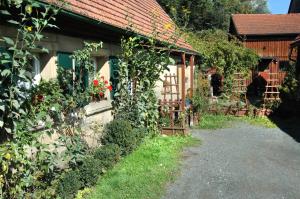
(145, 172)
(209, 121)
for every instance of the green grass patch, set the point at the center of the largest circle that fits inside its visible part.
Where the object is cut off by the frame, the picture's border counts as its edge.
(209, 121)
(145, 172)
(259, 121)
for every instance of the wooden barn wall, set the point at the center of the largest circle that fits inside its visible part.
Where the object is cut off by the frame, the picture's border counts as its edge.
(270, 48)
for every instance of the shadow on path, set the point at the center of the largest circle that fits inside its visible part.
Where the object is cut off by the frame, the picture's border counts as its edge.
(289, 125)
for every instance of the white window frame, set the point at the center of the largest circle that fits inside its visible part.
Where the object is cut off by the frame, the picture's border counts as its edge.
(36, 70)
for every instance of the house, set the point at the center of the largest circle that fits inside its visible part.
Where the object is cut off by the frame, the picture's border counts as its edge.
(270, 36)
(294, 6)
(295, 45)
(107, 21)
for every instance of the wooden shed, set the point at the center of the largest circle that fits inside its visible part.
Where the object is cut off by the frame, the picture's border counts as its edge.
(270, 36)
(294, 6)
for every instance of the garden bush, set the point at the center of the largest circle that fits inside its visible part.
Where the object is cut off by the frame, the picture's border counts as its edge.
(90, 170)
(140, 134)
(109, 155)
(69, 184)
(120, 132)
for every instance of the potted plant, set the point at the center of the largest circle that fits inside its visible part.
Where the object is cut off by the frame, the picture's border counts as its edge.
(98, 88)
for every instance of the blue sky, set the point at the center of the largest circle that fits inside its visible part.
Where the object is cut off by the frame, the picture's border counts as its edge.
(279, 6)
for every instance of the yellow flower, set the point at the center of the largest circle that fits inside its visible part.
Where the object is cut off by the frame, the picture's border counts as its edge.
(7, 156)
(168, 26)
(28, 9)
(29, 28)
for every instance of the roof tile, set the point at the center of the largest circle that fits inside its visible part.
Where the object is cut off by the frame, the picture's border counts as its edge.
(266, 24)
(126, 13)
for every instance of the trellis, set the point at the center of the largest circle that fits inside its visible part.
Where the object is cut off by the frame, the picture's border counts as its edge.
(171, 106)
(272, 93)
(239, 94)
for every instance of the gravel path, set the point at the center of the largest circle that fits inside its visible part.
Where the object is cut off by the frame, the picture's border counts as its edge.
(240, 163)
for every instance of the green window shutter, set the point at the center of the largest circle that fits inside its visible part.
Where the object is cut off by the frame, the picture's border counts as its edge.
(64, 60)
(85, 78)
(114, 74)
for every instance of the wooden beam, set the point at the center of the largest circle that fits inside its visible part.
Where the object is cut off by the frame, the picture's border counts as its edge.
(183, 81)
(192, 63)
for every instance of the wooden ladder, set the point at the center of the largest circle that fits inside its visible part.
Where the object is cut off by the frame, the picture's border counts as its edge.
(272, 88)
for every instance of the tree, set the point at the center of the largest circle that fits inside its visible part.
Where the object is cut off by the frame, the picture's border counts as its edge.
(210, 14)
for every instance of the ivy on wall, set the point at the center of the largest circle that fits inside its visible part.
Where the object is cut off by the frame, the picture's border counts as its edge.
(140, 66)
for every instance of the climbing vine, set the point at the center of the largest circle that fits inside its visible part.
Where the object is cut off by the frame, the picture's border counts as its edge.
(224, 52)
(140, 68)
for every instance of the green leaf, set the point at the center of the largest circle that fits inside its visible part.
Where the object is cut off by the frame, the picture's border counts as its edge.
(45, 50)
(13, 22)
(1, 123)
(15, 104)
(9, 41)
(4, 12)
(4, 61)
(2, 108)
(5, 72)
(8, 130)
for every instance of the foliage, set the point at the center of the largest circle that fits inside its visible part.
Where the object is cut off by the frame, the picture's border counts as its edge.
(201, 94)
(69, 184)
(109, 155)
(140, 134)
(28, 168)
(289, 88)
(73, 81)
(228, 56)
(15, 65)
(75, 148)
(145, 172)
(210, 14)
(82, 194)
(140, 67)
(47, 103)
(89, 170)
(120, 132)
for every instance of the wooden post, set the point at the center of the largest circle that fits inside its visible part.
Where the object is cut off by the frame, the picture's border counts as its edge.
(192, 63)
(183, 81)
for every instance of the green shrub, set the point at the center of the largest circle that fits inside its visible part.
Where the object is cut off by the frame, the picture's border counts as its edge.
(69, 184)
(140, 134)
(109, 155)
(89, 170)
(120, 132)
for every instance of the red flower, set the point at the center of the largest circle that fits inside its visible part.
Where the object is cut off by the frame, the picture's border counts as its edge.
(105, 82)
(101, 94)
(110, 88)
(40, 98)
(96, 82)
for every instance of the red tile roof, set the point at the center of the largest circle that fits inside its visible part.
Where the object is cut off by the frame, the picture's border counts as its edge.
(266, 24)
(124, 14)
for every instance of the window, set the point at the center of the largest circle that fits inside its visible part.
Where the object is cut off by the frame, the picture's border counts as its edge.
(284, 65)
(65, 61)
(36, 72)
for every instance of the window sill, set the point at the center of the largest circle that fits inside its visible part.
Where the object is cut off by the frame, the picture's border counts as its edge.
(98, 107)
